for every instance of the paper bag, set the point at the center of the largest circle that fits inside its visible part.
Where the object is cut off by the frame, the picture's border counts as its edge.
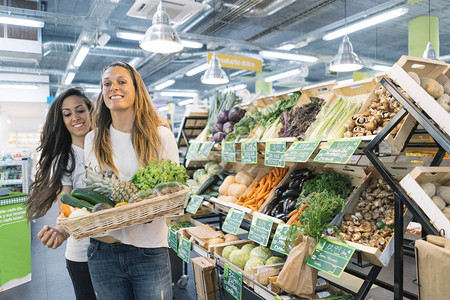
(433, 269)
(297, 277)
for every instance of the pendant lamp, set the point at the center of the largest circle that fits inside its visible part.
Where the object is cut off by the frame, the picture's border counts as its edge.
(161, 37)
(429, 50)
(215, 74)
(345, 60)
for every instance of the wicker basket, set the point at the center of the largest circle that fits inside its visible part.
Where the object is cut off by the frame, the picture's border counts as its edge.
(124, 216)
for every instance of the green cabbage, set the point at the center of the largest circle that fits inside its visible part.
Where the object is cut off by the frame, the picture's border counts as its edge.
(239, 258)
(253, 262)
(198, 174)
(248, 248)
(274, 260)
(212, 169)
(227, 251)
(262, 252)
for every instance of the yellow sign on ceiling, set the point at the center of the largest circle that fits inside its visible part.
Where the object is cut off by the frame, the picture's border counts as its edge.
(238, 62)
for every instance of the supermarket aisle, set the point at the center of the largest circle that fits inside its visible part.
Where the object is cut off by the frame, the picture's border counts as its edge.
(50, 279)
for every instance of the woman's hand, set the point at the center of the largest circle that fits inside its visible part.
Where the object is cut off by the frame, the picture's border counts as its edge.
(51, 237)
(163, 122)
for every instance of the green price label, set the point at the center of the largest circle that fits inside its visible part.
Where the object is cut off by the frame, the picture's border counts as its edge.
(279, 239)
(173, 240)
(232, 282)
(339, 152)
(188, 197)
(300, 151)
(260, 230)
(195, 203)
(192, 150)
(331, 256)
(184, 249)
(228, 151)
(233, 221)
(205, 149)
(249, 153)
(274, 154)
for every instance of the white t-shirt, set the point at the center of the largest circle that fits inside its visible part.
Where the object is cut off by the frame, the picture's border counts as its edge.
(76, 250)
(151, 235)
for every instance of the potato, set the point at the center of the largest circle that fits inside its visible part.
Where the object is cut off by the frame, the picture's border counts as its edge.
(432, 87)
(415, 77)
(447, 88)
(223, 190)
(429, 189)
(230, 238)
(439, 202)
(228, 199)
(444, 193)
(236, 190)
(243, 177)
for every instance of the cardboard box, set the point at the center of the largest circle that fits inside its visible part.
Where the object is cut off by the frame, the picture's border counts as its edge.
(205, 278)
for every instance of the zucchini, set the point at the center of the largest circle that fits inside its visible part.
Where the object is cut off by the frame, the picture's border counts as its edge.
(214, 194)
(72, 201)
(215, 188)
(91, 196)
(101, 206)
(211, 180)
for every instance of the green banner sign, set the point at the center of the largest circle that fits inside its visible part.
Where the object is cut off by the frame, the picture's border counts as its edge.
(192, 150)
(205, 149)
(260, 230)
(339, 151)
(228, 151)
(232, 282)
(279, 239)
(249, 153)
(195, 203)
(233, 221)
(300, 151)
(331, 256)
(274, 154)
(173, 240)
(184, 249)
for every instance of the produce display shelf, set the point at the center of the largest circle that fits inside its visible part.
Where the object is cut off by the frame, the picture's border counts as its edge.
(11, 181)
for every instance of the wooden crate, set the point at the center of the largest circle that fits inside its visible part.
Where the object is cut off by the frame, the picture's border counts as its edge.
(271, 99)
(411, 184)
(424, 68)
(205, 278)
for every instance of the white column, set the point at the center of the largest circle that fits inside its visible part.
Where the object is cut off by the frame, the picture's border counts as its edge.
(4, 129)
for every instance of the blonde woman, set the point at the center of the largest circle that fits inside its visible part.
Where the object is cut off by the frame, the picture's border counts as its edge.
(131, 263)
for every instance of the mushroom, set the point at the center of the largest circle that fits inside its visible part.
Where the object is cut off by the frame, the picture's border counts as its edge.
(351, 124)
(348, 134)
(356, 236)
(370, 126)
(365, 227)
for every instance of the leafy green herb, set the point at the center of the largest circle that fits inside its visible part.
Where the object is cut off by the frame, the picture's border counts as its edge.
(339, 184)
(178, 225)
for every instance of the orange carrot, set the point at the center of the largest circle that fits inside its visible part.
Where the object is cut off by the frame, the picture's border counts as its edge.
(291, 213)
(66, 209)
(293, 219)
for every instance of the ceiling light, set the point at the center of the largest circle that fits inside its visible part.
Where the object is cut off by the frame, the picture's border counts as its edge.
(164, 108)
(235, 88)
(345, 60)
(164, 84)
(19, 86)
(178, 94)
(282, 75)
(161, 37)
(197, 70)
(381, 68)
(69, 77)
(191, 44)
(215, 74)
(185, 102)
(288, 56)
(8, 121)
(21, 22)
(429, 52)
(81, 55)
(286, 47)
(366, 23)
(127, 35)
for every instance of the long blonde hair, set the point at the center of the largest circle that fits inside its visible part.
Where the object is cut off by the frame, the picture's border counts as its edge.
(144, 133)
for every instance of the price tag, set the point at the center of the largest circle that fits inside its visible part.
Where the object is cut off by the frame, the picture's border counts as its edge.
(173, 240)
(339, 151)
(331, 256)
(195, 203)
(228, 151)
(300, 151)
(188, 196)
(192, 150)
(233, 221)
(274, 154)
(232, 282)
(184, 249)
(249, 153)
(205, 149)
(260, 230)
(279, 239)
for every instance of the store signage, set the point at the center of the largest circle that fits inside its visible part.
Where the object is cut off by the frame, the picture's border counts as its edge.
(260, 230)
(274, 154)
(205, 149)
(228, 151)
(232, 282)
(233, 221)
(195, 203)
(192, 150)
(331, 256)
(238, 62)
(188, 197)
(184, 249)
(339, 151)
(279, 239)
(249, 153)
(173, 240)
(300, 151)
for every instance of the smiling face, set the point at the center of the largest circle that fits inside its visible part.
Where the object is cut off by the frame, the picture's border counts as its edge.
(76, 117)
(118, 89)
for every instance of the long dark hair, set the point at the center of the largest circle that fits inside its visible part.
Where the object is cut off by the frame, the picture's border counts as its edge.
(56, 153)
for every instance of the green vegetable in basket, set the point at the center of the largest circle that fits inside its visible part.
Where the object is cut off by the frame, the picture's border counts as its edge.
(159, 172)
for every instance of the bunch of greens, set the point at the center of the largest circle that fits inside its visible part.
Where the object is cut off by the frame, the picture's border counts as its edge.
(159, 172)
(179, 225)
(271, 113)
(337, 184)
(219, 103)
(243, 128)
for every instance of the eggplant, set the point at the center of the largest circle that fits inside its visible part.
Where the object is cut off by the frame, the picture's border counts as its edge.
(278, 209)
(280, 190)
(291, 205)
(281, 216)
(299, 173)
(295, 184)
(286, 204)
(291, 193)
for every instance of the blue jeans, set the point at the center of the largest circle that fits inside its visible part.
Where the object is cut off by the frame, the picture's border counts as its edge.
(120, 271)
